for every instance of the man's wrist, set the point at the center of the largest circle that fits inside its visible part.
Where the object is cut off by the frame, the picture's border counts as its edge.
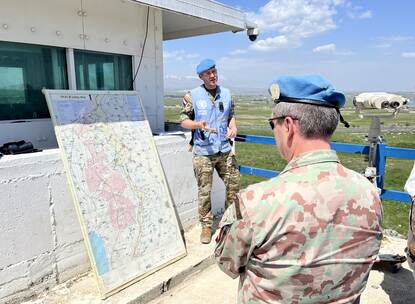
(199, 125)
(410, 254)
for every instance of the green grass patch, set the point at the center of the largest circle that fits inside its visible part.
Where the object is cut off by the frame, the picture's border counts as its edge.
(252, 113)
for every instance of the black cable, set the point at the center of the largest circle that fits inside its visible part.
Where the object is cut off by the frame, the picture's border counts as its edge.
(142, 50)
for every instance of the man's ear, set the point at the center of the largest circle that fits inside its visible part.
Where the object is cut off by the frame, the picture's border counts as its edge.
(290, 126)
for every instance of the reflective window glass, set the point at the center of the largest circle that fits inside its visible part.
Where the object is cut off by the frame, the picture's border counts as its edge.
(102, 71)
(24, 70)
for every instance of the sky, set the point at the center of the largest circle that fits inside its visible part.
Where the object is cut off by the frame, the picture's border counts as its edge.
(366, 45)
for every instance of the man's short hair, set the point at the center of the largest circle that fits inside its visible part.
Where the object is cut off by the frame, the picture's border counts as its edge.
(314, 122)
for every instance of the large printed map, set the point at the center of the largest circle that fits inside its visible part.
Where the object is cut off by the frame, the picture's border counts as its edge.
(118, 184)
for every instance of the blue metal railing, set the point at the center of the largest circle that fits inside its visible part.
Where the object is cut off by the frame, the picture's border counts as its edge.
(382, 153)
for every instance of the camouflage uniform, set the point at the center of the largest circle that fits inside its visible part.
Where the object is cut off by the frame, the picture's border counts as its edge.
(203, 166)
(310, 235)
(410, 188)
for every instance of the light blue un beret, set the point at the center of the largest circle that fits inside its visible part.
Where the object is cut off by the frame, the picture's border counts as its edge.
(205, 65)
(311, 89)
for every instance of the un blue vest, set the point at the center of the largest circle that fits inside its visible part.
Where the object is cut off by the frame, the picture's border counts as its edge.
(216, 117)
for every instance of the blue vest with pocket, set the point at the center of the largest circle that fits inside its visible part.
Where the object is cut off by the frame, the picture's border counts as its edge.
(216, 116)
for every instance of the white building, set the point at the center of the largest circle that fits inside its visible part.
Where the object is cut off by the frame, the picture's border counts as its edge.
(81, 44)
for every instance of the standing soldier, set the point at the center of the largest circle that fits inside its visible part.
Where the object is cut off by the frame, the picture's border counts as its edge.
(312, 234)
(208, 110)
(410, 250)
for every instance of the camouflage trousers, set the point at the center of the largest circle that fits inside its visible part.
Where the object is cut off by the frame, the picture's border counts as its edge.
(228, 170)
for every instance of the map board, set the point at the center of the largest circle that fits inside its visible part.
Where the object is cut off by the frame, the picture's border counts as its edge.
(118, 185)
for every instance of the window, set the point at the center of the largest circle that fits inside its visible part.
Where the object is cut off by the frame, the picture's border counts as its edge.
(24, 70)
(101, 71)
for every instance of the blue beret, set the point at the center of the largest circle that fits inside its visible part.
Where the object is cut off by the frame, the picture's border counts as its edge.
(205, 65)
(313, 88)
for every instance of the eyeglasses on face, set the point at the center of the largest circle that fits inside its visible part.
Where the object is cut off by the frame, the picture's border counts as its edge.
(271, 120)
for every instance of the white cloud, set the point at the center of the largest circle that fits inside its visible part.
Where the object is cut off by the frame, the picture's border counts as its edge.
(357, 12)
(175, 77)
(191, 77)
(389, 41)
(383, 45)
(289, 22)
(238, 52)
(273, 43)
(192, 55)
(178, 77)
(344, 52)
(179, 55)
(327, 48)
(396, 38)
(286, 23)
(331, 48)
(366, 15)
(408, 55)
(300, 18)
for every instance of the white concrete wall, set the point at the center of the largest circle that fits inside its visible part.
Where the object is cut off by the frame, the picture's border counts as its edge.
(111, 26)
(41, 243)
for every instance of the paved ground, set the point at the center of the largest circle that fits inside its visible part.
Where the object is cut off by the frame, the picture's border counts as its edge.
(195, 280)
(83, 290)
(213, 286)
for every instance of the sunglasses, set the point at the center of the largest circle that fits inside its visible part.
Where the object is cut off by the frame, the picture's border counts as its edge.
(271, 120)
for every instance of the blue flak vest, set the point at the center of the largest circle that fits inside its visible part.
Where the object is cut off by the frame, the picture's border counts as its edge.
(216, 117)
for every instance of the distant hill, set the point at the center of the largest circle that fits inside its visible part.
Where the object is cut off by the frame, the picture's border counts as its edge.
(260, 93)
(235, 91)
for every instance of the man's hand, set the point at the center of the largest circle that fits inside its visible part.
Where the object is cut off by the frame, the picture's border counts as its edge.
(232, 131)
(203, 125)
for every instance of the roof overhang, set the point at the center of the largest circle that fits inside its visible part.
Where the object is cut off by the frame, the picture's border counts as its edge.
(186, 18)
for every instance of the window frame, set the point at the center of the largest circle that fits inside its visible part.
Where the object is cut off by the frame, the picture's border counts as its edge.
(40, 131)
(29, 57)
(100, 69)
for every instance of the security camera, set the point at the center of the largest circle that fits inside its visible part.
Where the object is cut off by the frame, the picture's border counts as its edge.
(252, 33)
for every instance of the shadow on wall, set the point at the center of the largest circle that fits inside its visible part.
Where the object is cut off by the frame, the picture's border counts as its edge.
(399, 286)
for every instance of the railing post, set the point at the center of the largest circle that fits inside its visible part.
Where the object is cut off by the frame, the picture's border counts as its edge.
(380, 165)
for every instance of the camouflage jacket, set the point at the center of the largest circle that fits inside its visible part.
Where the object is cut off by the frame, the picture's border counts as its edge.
(310, 235)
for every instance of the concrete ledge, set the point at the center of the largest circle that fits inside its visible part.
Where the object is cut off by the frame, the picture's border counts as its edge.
(39, 224)
(85, 290)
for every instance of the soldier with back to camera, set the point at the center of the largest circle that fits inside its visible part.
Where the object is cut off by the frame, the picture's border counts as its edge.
(311, 234)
